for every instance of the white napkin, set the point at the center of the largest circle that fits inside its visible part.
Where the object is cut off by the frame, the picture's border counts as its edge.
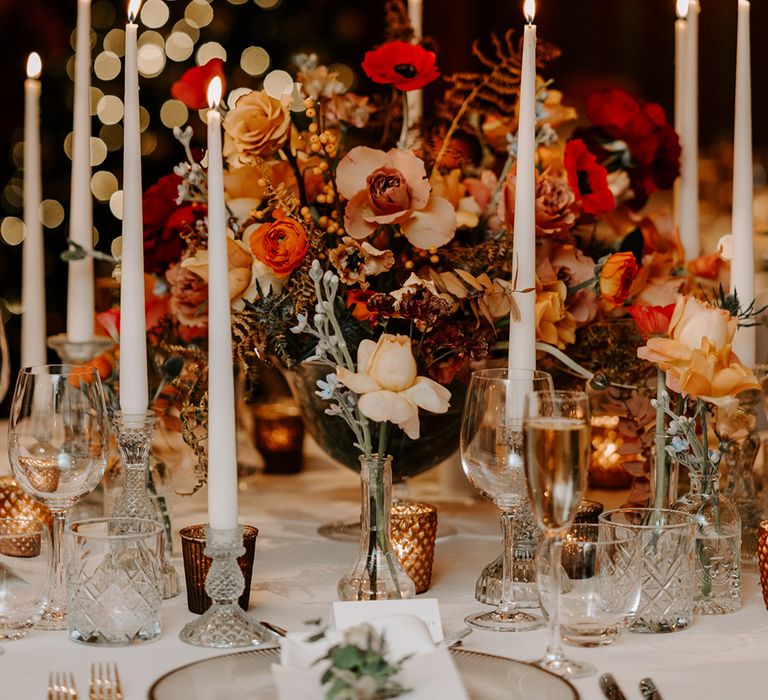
(429, 673)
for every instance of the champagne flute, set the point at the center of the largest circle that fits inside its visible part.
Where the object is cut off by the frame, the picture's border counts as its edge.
(492, 458)
(58, 443)
(556, 437)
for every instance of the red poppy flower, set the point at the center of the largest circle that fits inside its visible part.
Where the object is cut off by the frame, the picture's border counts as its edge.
(164, 220)
(652, 320)
(406, 66)
(192, 88)
(587, 178)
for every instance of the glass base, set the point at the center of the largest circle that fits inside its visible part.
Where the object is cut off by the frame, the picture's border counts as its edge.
(716, 606)
(496, 621)
(53, 620)
(488, 585)
(226, 627)
(565, 668)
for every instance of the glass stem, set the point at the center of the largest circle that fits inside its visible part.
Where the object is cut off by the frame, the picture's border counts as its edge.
(554, 655)
(507, 603)
(57, 596)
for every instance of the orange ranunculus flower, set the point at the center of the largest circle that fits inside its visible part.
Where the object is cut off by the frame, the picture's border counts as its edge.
(281, 245)
(697, 355)
(616, 277)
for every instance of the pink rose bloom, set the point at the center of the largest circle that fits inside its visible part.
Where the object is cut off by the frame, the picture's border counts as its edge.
(392, 188)
(189, 296)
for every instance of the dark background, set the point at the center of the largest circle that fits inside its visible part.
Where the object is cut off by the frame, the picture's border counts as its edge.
(603, 42)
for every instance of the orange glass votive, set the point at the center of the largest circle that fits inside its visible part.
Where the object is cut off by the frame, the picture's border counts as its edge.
(279, 436)
(413, 533)
(196, 565)
(762, 557)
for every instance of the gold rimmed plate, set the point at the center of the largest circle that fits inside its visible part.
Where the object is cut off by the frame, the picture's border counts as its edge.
(248, 674)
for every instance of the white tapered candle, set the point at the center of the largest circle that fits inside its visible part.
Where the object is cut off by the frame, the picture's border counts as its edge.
(522, 333)
(222, 455)
(33, 258)
(743, 261)
(80, 295)
(134, 393)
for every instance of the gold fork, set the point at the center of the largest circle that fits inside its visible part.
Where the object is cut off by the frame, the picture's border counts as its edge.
(104, 682)
(59, 688)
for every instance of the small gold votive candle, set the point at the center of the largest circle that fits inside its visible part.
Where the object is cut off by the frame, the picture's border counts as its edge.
(196, 565)
(16, 503)
(413, 533)
(762, 557)
(279, 436)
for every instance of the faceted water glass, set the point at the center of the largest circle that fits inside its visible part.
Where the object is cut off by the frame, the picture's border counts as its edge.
(600, 583)
(25, 574)
(114, 582)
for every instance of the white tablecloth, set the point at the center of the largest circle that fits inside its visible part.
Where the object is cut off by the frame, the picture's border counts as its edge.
(295, 577)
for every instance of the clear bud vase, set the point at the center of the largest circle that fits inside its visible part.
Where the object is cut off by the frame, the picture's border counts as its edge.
(717, 555)
(377, 573)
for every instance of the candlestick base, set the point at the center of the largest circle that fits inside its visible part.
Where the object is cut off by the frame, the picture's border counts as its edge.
(77, 353)
(133, 433)
(224, 625)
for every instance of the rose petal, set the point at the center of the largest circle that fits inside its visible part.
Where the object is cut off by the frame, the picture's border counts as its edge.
(433, 226)
(411, 167)
(411, 426)
(386, 406)
(364, 352)
(359, 383)
(354, 217)
(355, 167)
(429, 395)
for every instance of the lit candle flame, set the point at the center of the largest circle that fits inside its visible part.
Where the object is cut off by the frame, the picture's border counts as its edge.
(214, 92)
(529, 10)
(34, 65)
(133, 10)
(682, 8)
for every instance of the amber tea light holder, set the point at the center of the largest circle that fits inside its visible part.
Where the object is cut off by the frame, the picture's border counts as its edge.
(196, 565)
(413, 535)
(762, 557)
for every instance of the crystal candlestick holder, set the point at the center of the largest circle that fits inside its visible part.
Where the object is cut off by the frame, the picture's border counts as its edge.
(133, 433)
(225, 625)
(77, 353)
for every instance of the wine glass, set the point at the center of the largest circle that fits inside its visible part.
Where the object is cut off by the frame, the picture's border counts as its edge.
(556, 437)
(492, 457)
(58, 443)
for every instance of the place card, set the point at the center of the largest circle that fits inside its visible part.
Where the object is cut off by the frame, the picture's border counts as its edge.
(349, 614)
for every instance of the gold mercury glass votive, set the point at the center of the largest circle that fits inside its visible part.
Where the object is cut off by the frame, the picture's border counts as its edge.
(196, 566)
(15, 503)
(606, 466)
(762, 557)
(413, 533)
(279, 436)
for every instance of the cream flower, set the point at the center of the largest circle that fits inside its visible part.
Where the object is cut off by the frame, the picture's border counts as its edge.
(392, 188)
(697, 355)
(388, 385)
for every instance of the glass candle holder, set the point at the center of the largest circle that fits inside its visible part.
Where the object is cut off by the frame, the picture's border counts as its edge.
(413, 534)
(279, 436)
(196, 565)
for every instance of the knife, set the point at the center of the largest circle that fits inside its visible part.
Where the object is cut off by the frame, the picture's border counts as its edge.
(649, 690)
(610, 688)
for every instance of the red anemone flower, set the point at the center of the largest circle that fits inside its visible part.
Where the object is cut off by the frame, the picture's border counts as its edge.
(652, 320)
(405, 66)
(192, 87)
(587, 178)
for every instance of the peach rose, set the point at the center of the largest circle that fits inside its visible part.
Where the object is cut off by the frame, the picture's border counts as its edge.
(189, 296)
(281, 245)
(556, 207)
(697, 355)
(392, 188)
(617, 274)
(389, 388)
(554, 324)
(257, 126)
(240, 268)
